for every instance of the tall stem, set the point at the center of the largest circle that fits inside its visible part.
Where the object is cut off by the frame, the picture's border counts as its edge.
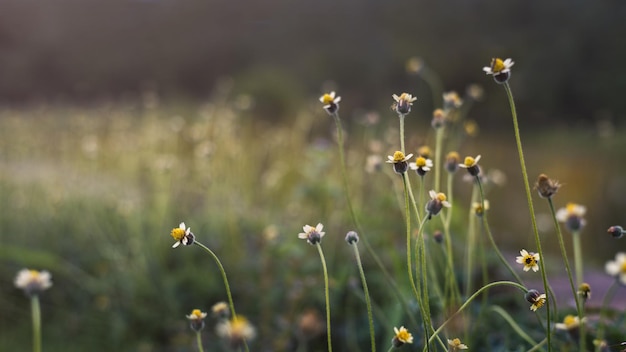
(199, 340)
(578, 257)
(36, 315)
(368, 303)
(530, 206)
(319, 249)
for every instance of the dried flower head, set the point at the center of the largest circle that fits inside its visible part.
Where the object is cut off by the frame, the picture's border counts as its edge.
(546, 186)
(501, 70)
(331, 102)
(236, 331)
(471, 164)
(399, 161)
(421, 165)
(220, 310)
(196, 320)
(32, 281)
(436, 203)
(537, 299)
(584, 291)
(182, 235)
(313, 235)
(403, 103)
(616, 231)
(402, 336)
(455, 345)
(617, 267)
(530, 260)
(572, 216)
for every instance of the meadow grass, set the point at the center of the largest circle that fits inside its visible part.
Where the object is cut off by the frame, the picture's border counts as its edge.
(91, 193)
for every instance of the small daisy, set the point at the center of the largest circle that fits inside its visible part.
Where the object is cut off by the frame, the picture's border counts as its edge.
(399, 161)
(537, 300)
(183, 235)
(546, 187)
(236, 331)
(220, 310)
(471, 164)
(572, 216)
(196, 319)
(403, 103)
(529, 260)
(479, 209)
(456, 345)
(421, 165)
(32, 281)
(617, 268)
(452, 162)
(570, 322)
(313, 235)
(331, 102)
(424, 151)
(452, 100)
(439, 119)
(436, 203)
(402, 336)
(501, 70)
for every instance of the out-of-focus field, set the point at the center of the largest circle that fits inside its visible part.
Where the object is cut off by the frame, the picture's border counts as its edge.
(91, 194)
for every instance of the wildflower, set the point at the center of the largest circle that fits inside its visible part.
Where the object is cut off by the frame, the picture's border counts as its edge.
(471, 164)
(501, 70)
(479, 209)
(456, 345)
(399, 161)
(403, 103)
(570, 322)
(537, 300)
(402, 336)
(421, 165)
(452, 162)
(452, 100)
(617, 268)
(32, 281)
(196, 320)
(475, 92)
(414, 65)
(236, 331)
(182, 234)
(616, 231)
(436, 203)
(352, 237)
(439, 119)
(220, 310)
(584, 291)
(331, 102)
(424, 151)
(572, 216)
(313, 235)
(529, 260)
(546, 186)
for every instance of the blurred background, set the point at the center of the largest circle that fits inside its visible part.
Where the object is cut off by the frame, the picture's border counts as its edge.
(119, 119)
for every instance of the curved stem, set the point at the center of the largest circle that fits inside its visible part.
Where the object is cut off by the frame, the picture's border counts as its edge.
(319, 249)
(507, 317)
(530, 205)
(36, 315)
(368, 303)
(471, 298)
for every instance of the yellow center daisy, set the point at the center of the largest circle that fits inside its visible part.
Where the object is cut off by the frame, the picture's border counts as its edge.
(404, 336)
(327, 99)
(420, 162)
(469, 161)
(34, 274)
(623, 268)
(196, 313)
(178, 233)
(497, 65)
(441, 197)
(569, 320)
(398, 156)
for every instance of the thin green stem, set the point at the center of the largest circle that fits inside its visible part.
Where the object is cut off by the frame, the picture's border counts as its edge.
(199, 339)
(401, 133)
(471, 241)
(471, 298)
(319, 249)
(530, 206)
(368, 303)
(408, 244)
(226, 285)
(36, 314)
(438, 141)
(578, 257)
(579, 308)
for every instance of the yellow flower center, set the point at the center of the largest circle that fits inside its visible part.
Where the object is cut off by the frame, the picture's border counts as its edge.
(441, 197)
(497, 65)
(469, 161)
(34, 274)
(420, 162)
(571, 208)
(405, 97)
(569, 320)
(456, 342)
(178, 233)
(540, 302)
(404, 335)
(398, 156)
(623, 268)
(196, 313)
(530, 260)
(327, 99)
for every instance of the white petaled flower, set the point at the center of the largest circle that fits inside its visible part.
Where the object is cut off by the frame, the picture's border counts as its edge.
(617, 268)
(312, 235)
(403, 103)
(421, 165)
(499, 66)
(572, 216)
(183, 235)
(331, 102)
(529, 260)
(33, 281)
(570, 322)
(456, 345)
